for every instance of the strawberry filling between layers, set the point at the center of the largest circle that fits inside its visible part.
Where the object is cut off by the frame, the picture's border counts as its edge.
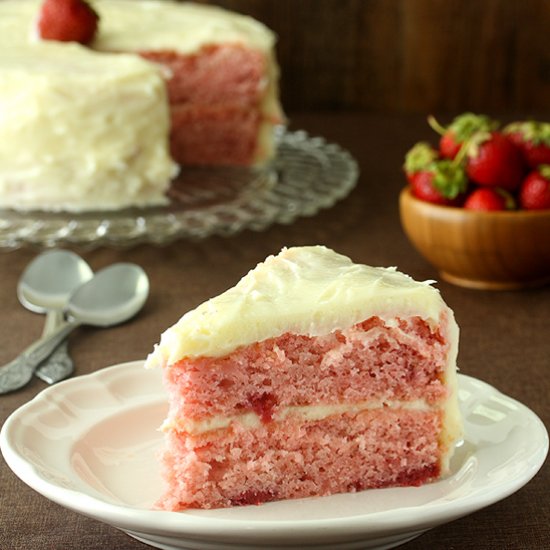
(215, 102)
(292, 459)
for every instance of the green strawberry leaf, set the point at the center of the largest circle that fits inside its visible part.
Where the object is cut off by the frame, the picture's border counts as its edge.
(465, 125)
(532, 131)
(449, 178)
(419, 157)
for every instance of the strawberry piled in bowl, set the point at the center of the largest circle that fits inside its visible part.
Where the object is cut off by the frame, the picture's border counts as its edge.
(477, 206)
(480, 166)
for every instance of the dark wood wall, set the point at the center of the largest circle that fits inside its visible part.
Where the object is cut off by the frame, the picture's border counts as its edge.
(410, 55)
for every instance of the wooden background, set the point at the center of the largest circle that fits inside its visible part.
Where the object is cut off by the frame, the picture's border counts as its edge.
(410, 55)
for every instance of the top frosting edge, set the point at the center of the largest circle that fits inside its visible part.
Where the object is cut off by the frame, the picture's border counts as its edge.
(141, 25)
(308, 290)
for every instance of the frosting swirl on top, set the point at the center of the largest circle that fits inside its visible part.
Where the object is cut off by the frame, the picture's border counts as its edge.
(308, 290)
(142, 25)
(186, 27)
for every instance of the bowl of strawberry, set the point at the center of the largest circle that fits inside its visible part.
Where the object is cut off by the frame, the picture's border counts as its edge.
(477, 205)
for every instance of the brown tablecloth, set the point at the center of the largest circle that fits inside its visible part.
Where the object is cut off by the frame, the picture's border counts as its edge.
(505, 336)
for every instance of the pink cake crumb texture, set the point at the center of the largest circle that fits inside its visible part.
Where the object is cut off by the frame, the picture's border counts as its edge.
(214, 135)
(371, 360)
(215, 102)
(216, 74)
(291, 459)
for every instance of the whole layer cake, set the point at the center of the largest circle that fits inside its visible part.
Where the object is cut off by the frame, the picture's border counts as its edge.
(104, 126)
(312, 376)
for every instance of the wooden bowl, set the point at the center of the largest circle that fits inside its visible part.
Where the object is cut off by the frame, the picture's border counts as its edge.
(486, 250)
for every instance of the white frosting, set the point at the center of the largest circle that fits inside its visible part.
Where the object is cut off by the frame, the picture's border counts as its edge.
(309, 413)
(186, 27)
(303, 290)
(85, 129)
(119, 112)
(137, 25)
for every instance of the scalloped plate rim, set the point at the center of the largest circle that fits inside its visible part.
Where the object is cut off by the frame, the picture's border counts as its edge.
(178, 524)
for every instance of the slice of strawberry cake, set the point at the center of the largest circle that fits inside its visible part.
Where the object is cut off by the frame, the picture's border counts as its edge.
(312, 376)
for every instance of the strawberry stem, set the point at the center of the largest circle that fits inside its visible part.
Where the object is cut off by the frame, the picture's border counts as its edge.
(509, 202)
(434, 124)
(459, 158)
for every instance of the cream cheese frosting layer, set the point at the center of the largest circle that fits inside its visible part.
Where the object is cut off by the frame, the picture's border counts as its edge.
(306, 413)
(303, 290)
(186, 27)
(451, 432)
(130, 25)
(58, 114)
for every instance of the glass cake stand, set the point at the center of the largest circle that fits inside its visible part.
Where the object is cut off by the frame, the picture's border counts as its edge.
(307, 174)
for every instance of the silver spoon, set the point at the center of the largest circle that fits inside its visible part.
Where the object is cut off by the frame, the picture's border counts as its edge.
(45, 287)
(112, 296)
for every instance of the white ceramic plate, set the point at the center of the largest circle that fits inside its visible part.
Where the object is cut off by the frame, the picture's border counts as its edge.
(89, 444)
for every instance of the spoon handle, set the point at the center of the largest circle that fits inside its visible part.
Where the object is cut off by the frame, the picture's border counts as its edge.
(59, 364)
(54, 319)
(18, 372)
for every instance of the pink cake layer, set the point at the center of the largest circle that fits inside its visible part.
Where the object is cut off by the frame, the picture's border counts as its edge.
(370, 360)
(214, 135)
(215, 99)
(290, 459)
(215, 75)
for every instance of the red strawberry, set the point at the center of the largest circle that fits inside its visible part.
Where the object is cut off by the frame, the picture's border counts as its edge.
(533, 138)
(418, 158)
(494, 160)
(461, 129)
(67, 21)
(442, 182)
(534, 193)
(489, 198)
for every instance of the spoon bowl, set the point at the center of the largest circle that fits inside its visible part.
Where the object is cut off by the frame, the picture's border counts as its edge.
(114, 295)
(50, 279)
(45, 287)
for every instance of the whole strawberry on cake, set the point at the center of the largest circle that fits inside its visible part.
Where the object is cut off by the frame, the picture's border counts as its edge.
(312, 376)
(100, 102)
